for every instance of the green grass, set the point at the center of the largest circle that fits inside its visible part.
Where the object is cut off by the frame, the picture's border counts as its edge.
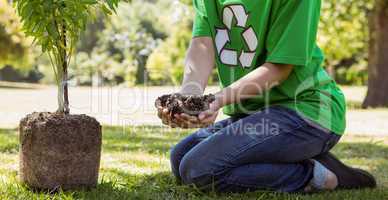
(135, 166)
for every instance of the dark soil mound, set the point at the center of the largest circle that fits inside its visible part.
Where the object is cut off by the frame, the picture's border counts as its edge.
(59, 151)
(190, 104)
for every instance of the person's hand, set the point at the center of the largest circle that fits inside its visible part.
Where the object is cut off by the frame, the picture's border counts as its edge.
(184, 120)
(167, 119)
(204, 119)
(178, 120)
(209, 116)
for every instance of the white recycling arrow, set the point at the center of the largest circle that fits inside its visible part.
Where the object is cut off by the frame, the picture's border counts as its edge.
(241, 15)
(246, 58)
(237, 11)
(228, 57)
(250, 39)
(222, 38)
(228, 17)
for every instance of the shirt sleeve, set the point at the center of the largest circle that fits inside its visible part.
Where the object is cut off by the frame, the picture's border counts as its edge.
(201, 25)
(293, 31)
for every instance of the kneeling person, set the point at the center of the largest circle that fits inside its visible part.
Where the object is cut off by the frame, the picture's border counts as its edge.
(286, 113)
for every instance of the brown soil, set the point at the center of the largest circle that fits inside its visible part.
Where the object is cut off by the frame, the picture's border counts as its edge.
(59, 151)
(189, 104)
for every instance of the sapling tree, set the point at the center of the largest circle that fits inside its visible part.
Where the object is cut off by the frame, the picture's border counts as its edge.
(55, 25)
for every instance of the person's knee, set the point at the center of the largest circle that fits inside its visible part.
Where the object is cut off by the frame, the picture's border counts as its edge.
(194, 170)
(175, 158)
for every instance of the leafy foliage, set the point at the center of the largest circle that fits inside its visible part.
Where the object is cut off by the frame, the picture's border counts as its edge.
(166, 64)
(56, 25)
(45, 20)
(130, 37)
(344, 37)
(14, 48)
(119, 50)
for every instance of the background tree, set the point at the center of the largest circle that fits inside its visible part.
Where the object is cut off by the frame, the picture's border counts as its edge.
(122, 43)
(130, 36)
(166, 63)
(377, 95)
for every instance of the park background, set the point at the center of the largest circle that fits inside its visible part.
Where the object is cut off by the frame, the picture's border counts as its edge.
(126, 60)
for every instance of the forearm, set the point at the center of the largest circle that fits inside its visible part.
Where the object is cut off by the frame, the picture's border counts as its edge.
(255, 83)
(199, 64)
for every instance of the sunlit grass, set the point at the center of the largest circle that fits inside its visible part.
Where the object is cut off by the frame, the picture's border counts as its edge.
(8, 141)
(135, 165)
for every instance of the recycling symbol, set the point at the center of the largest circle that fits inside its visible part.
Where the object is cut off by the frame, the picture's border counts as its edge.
(230, 56)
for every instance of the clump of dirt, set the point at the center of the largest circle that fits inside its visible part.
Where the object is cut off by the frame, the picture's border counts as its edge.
(59, 151)
(190, 104)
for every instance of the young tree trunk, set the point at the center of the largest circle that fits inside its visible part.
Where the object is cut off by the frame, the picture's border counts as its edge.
(65, 88)
(377, 95)
(65, 74)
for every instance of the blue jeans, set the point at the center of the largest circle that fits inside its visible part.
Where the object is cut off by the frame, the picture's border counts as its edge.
(268, 150)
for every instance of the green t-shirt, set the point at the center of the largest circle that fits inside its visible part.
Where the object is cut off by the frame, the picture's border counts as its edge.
(248, 33)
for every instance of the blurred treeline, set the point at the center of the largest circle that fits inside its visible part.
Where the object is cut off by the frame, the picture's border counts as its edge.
(145, 43)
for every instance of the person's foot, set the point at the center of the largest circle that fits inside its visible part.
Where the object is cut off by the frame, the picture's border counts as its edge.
(331, 182)
(323, 179)
(348, 177)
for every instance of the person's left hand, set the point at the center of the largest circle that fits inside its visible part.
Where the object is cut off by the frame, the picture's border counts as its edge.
(204, 119)
(209, 116)
(187, 121)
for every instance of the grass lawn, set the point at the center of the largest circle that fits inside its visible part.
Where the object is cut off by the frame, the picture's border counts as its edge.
(135, 165)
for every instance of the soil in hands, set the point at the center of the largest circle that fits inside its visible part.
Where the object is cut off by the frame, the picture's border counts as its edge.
(59, 151)
(189, 104)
